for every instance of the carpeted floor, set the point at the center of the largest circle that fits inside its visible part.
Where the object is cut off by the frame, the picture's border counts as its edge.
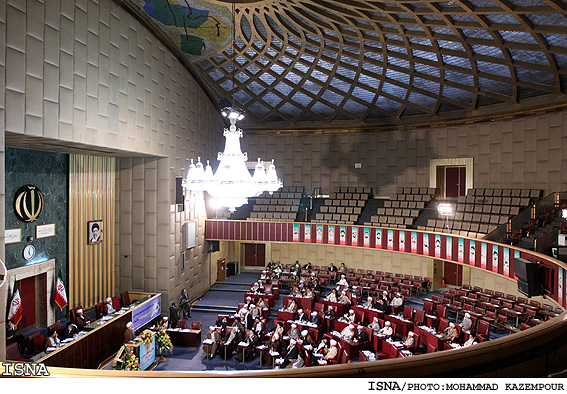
(223, 298)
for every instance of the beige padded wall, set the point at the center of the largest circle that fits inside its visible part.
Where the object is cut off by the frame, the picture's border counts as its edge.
(85, 74)
(2, 173)
(526, 152)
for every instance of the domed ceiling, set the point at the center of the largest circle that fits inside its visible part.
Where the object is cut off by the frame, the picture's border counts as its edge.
(323, 64)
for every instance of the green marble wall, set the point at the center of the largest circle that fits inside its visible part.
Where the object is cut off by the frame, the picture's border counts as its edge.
(49, 172)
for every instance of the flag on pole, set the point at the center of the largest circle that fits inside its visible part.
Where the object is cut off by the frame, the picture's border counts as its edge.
(15, 312)
(60, 292)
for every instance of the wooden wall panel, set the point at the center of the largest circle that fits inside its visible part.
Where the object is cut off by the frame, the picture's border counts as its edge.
(91, 197)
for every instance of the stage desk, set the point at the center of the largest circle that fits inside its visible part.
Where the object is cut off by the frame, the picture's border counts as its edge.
(103, 339)
(185, 338)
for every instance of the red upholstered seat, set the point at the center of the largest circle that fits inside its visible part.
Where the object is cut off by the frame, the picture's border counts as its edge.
(116, 303)
(195, 325)
(182, 324)
(13, 353)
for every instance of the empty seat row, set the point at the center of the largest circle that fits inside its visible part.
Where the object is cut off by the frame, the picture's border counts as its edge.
(490, 209)
(349, 196)
(381, 220)
(353, 189)
(336, 216)
(414, 213)
(530, 193)
(345, 203)
(273, 215)
(274, 208)
(508, 201)
(278, 201)
(411, 197)
(416, 190)
(326, 209)
(404, 204)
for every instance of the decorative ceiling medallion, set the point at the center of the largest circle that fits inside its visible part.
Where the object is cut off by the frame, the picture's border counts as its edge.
(28, 203)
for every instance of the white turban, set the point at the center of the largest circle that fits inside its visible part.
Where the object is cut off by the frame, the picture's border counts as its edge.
(351, 326)
(304, 333)
(108, 299)
(333, 342)
(369, 298)
(451, 324)
(410, 334)
(294, 325)
(467, 315)
(359, 327)
(165, 318)
(351, 312)
(388, 323)
(129, 324)
(375, 319)
(292, 341)
(79, 311)
(314, 313)
(211, 328)
(300, 311)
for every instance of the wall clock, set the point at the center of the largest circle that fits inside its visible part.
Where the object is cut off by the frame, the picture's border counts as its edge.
(29, 252)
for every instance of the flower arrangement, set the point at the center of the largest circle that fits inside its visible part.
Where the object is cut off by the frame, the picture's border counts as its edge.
(145, 337)
(129, 361)
(163, 342)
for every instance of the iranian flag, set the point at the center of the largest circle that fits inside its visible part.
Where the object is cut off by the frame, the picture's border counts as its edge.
(15, 313)
(60, 292)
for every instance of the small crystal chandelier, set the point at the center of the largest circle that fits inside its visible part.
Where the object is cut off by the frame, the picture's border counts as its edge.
(232, 184)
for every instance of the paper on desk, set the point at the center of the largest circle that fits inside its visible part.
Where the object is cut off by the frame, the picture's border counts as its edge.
(208, 342)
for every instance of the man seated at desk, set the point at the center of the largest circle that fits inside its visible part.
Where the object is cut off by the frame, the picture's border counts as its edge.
(258, 326)
(333, 351)
(450, 333)
(292, 306)
(330, 312)
(322, 347)
(250, 352)
(344, 298)
(255, 311)
(382, 306)
(261, 303)
(231, 341)
(306, 338)
(360, 337)
(343, 281)
(108, 307)
(222, 323)
(471, 340)
(81, 320)
(332, 297)
(70, 331)
(397, 301)
(299, 362)
(369, 303)
(350, 317)
(293, 332)
(214, 335)
(291, 353)
(387, 330)
(409, 342)
(301, 316)
(315, 319)
(316, 287)
(466, 324)
(308, 293)
(356, 292)
(375, 325)
(348, 332)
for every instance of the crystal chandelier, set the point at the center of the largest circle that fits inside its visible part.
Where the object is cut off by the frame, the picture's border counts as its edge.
(232, 184)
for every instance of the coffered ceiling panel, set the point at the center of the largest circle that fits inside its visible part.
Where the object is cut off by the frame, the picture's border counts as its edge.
(318, 64)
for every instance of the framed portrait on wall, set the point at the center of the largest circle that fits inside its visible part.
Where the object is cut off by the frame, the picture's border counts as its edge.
(94, 231)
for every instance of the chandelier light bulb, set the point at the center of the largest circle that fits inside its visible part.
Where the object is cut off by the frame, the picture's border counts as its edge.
(232, 184)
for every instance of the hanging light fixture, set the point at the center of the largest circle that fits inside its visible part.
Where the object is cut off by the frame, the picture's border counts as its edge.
(232, 184)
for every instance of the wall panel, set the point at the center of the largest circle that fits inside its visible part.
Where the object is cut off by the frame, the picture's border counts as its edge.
(91, 197)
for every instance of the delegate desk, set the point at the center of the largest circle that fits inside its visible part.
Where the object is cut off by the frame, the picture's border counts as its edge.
(349, 346)
(184, 337)
(369, 314)
(305, 303)
(392, 349)
(427, 337)
(103, 339)
(402, 326)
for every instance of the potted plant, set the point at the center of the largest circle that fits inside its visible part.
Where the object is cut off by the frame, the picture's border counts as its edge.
(129, 361)
(163, 343)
